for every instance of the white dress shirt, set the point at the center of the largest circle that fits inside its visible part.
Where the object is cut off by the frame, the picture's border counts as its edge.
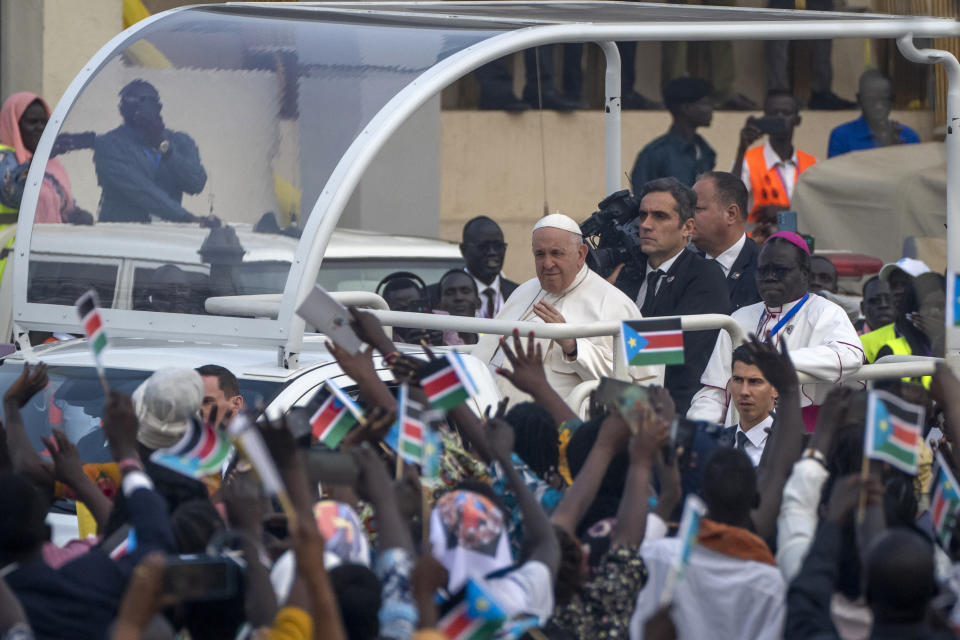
(481, 287)
(665, 266)
(719, 596)
(788, 169)
(728, 257)
(756, 439)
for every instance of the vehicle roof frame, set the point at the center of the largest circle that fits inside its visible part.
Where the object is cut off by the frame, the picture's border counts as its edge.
(287, 331)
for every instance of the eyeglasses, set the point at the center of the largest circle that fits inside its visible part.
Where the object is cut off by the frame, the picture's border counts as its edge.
(767, 271)
(488, 247)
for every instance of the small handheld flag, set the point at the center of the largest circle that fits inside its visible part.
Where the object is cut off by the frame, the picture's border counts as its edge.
(200, 452)
(893, 432)
(410, 426)
(251, 446)
(447, 382)
(693, 510)
(944, 502)
(88, 308)
(337, 414)
(657, 341)
(475, 615)
(431, 467)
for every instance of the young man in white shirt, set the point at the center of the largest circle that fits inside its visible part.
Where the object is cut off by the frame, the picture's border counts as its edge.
(755, 399)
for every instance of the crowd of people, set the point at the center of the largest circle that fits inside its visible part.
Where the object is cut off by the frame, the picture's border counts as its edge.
(565, 526)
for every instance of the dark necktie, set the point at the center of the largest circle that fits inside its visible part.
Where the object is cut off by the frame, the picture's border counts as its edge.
(491, 307)
(652, 278)
(741, 441)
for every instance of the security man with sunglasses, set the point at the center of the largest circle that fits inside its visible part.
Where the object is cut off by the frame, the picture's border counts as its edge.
(144, 168)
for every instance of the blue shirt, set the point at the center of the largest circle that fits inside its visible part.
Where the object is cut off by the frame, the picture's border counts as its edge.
(856, 136)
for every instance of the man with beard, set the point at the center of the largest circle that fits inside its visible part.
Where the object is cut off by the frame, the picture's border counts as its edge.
(821, 339)
(144, 168)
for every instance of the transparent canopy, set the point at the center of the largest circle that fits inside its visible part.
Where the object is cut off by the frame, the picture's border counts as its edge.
(234, 114)
(195, 147)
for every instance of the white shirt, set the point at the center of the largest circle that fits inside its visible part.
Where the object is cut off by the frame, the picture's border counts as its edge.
(788, 169)
(719, 596)
(821, 340)
(664, 267)
(728, 257)
(527, 590)
(756, 439)
(481, 287)
(798, 518)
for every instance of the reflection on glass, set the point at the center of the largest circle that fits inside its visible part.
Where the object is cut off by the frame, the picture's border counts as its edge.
(144, 168)
(202, 145)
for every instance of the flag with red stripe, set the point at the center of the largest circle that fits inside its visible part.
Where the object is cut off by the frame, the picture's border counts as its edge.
(893, 432)
(656, 341)
(88, 308)
(201, 451)
(944, 502)
(447, 382)
(472, 614)
(336, 415)
(411, 427)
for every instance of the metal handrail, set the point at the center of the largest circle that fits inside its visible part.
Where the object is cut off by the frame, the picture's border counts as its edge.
(554, 331)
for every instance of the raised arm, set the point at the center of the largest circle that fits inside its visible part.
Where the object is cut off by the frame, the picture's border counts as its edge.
(184, 159)
(612, 438)
(539, 540)
(786, 440)
(68, 469)
(528, 376)
(632, 512)
(23, 458)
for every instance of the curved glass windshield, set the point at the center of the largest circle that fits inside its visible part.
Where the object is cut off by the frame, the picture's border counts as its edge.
(186, 166)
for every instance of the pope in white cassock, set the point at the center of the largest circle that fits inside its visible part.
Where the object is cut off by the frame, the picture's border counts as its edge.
(565, 290)
(818, 333)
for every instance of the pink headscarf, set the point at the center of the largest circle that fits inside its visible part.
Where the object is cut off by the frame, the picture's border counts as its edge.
(51, 204)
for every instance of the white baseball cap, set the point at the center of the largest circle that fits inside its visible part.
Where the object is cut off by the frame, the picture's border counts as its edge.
(910, 266)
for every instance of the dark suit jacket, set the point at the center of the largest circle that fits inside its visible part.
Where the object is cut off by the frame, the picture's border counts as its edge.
(506, 288)
(693, 285)
(742, 279)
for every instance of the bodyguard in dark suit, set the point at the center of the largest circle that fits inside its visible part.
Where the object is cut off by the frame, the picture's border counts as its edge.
(483, 250)
(719, 232)
(678, 281)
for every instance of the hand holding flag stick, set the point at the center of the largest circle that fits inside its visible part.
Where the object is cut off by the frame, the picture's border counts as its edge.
(249, 441)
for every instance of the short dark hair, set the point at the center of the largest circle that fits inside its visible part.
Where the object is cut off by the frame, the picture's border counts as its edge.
(537, 441)
(803, 258)
(358, 596)
(730, 190)
(742, 354)
(870, 280)
(684, 196)
(137, 84)
(729, 485)
(782, 93)
(474, 221)
(456, 272)
(225, 378)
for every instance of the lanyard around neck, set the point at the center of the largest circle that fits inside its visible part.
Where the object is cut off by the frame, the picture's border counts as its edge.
(788, 315)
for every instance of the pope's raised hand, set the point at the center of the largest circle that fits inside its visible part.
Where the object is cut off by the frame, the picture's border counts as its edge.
(549, 314)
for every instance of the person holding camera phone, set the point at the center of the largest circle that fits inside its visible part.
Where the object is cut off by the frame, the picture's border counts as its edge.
(771, 170)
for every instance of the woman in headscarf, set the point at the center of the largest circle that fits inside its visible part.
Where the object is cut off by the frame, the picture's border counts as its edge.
(22, 120)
